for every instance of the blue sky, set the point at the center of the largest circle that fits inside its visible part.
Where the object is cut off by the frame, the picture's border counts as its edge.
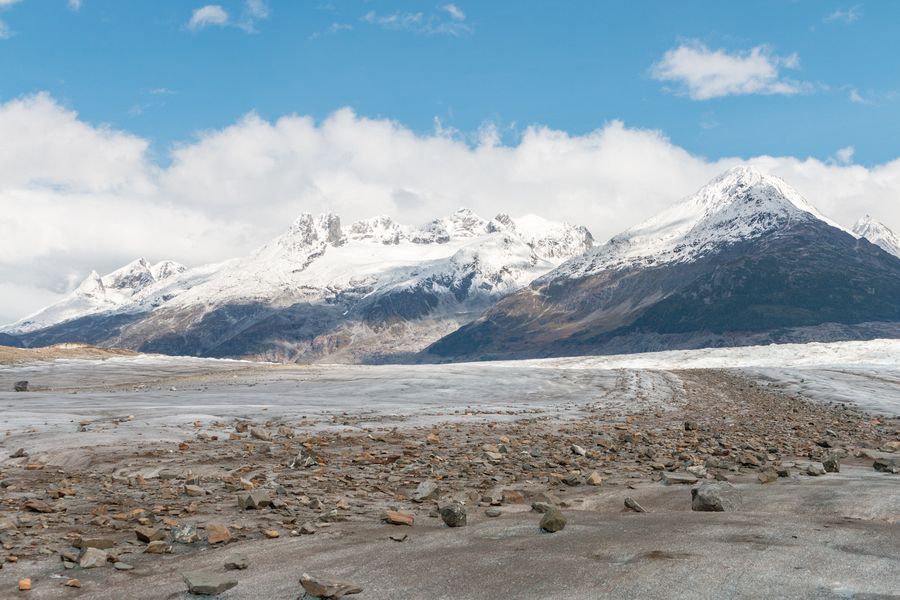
(197, 130)
(572, 66)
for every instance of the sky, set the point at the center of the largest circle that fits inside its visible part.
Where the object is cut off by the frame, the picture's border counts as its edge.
(197, 131)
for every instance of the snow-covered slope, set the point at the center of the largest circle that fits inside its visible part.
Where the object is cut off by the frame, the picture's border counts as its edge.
(96, 294)
(739, 205)
(372, 271)
(879, 234)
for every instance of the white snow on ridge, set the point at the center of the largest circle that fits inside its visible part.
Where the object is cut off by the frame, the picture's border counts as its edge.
(879, 234)
(741, 204)
(317, 259)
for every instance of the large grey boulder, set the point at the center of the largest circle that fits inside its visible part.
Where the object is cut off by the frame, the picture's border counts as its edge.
(715, 497)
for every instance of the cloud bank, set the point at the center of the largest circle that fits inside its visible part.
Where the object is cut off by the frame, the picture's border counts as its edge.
(76, 197)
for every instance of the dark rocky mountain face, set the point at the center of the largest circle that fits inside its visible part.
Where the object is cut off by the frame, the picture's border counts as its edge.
(8, 340)
(806, 282)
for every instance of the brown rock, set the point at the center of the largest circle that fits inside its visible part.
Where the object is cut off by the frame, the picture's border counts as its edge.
(594, 479)
(398, 518)
(216, 533)
(24, 584)
(149, 534)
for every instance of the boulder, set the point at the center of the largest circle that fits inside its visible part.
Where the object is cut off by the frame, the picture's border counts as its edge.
(887, 465)
(91, 558)
(454, 515)
(715, 497)
(21, 386)
(553, 520)
(208, 584)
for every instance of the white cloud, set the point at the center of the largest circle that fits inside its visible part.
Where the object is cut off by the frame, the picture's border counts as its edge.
(74, 4)
(856, 97)
(254, 11)
(455, 12)
(77, 197)
(703, 73)
(845, 155)
(4, 3)
(848, 16)
(205, 16)
(454, 23)
(5, 31)
(332, 29)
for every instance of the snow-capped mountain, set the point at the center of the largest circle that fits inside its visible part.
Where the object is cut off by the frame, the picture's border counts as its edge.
(879, 234)
(739, 205)
(746, 259)
(319, 289)
(98, 294)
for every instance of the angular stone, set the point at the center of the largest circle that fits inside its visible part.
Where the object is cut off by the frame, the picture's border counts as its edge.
(261, 433)
(677, 478)
(454, 515)
(715, 497)
(815, 469)
(594, 479)
(20, 386)
(632, 504)
(425, 491)
(307, 528)
(398, 518)
(831, 463)
(91, 558)
(120, 566)
(319, 587)
(149, 534)
(194, 490)
(493, 512)
(887, 465)
(157, 547)
(216, 533)
(553, 521)
(94, 542)
(238, 563)
(208, 584)
(767, 475)
(578, 450)
(254, 500)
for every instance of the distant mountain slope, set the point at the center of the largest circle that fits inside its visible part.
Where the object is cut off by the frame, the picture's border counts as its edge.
(363, 292)
(879, 234)
(744, 260)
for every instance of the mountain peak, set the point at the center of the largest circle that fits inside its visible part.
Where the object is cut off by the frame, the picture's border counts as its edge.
(878, 233)
(742, 203)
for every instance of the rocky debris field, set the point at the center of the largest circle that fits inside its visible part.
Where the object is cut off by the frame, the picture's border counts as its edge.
(234, 495)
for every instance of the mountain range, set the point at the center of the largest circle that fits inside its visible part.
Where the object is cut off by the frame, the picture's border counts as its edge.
(745, 260)
(373, 290)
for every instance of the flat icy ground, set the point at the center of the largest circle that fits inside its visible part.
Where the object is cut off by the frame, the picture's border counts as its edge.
(162, 442)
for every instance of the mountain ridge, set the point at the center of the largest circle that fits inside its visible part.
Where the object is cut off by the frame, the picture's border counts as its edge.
(744, 257)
